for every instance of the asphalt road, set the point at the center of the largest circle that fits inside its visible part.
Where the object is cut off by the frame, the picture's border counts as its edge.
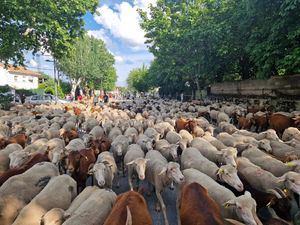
(169, 197)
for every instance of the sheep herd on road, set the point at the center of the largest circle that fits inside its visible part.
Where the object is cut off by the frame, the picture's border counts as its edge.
(228, 163)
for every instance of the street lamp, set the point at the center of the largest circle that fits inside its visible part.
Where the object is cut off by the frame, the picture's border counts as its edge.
(55, 80)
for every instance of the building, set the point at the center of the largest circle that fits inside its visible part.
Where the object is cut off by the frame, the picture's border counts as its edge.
(19, 77)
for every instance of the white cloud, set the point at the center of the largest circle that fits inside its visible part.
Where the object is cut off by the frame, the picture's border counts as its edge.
(100, 34)
(119, 59)
(123, 22)
(33, 63)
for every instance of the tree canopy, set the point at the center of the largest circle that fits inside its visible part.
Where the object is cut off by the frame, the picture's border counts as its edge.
(137, 79)
(206, 41)
(89, 64)
(40, 25)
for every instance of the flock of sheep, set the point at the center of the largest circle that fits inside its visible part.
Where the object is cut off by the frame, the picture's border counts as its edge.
(48, 152)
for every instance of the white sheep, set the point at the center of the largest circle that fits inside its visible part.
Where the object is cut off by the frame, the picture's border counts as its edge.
(291, 133)
(169, 151)
(135, 162)
(4, 155)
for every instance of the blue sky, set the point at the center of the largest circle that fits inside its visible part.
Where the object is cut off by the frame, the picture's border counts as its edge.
(118, 26)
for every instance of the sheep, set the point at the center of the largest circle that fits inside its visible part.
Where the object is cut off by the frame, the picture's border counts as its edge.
(55, 216)
(97, 132)
(192, 158)
(104, 170)
(213, 114)
(265, 181)
(132, 134)
(160, 173)
(94, 208)
(242, 208)
(152, 133)
(5, 131)
(291, 133)
(51, 133)
(163, 128)
(31, 182)
(269, 134)
(145, 142)
(222, 117)
(18, 158)
(138, 125)
(119, 148)
(169, 151)
(284, 152)
(265, 161)
(173, 137)
(4, 155)
(75, 145)
(115, 132)
(68, 126)
(214, 141)
(226, 156)
(227, 127)
(47, 199)
(135, 162)
(55, 143)
(89, 124)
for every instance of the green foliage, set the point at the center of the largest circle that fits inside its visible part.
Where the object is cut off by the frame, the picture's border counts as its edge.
(40, 24)
(89, 64)
(4, 89)
(206, 41)
(25, 92)
(138, 79)
(49, 87)
(65, 87)
(5, 101)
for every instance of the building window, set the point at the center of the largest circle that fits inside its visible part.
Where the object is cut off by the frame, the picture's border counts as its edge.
(16, 78)
(30, 80)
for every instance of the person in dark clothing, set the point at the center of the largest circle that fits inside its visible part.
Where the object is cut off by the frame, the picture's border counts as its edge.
(22, 97)
(105, 98)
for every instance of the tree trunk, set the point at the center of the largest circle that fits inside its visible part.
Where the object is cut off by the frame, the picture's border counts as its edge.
(75, 84)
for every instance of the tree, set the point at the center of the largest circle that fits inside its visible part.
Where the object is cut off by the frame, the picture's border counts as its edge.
(40, 25)
(49, 87)
(206, 41)
(137, 79)
(90, 64)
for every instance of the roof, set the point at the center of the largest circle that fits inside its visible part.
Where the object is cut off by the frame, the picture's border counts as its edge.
(20, 70)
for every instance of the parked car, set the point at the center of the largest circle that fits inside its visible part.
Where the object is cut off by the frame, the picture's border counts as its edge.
(44, 99)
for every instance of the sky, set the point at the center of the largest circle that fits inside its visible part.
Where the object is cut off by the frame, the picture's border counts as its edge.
(118, 26)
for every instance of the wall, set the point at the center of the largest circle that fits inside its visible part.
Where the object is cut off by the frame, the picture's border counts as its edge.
(22, 82)
(274, 87)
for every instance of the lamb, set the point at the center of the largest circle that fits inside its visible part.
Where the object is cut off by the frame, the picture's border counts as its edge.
(265, 181)
(31, 182)
(4, 156)
(291, 133)
(160, 173)
(145, 142)
(136, 163)
(94, 208)
(104, 170)
(265, 161)
(192, 158)
(242, 208)
(152, 133)
(75, 145)
(47, 199)
(132, 134)
(169, 151)
(225, 156)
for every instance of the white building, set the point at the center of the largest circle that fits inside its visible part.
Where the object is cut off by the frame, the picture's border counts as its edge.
(18, 77)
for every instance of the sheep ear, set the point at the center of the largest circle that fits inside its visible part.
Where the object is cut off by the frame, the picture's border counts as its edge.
(90, 169)
(248, 194)
(163, 171)
(130, 163)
